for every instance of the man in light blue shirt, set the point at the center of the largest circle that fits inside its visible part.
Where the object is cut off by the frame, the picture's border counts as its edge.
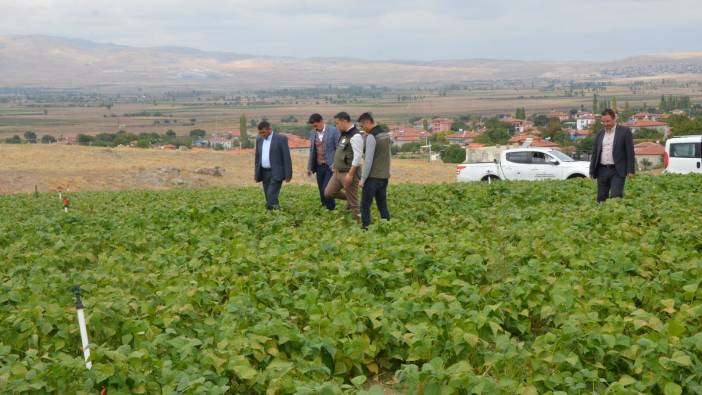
(272, 163)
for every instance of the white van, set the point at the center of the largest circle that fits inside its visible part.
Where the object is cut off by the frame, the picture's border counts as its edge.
(683, 154)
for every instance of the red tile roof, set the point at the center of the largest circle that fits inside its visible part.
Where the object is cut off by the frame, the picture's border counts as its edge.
(409, 134)
(476, 145)
(296, 142)
(543, 143)
(644, 124)
(649, 148)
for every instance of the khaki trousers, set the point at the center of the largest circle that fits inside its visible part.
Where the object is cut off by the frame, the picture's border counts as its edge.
(349, 193)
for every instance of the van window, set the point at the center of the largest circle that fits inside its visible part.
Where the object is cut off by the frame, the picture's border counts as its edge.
(538, 158)
(519, 157)
(685, 150)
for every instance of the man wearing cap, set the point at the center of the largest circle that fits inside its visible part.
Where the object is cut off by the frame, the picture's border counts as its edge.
(376, 169)
(347, 163)
(323, 141)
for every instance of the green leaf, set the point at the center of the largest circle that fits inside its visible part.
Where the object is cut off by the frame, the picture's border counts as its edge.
(681, 359)
(626, 380)
(672, 389)
(102, 372)
(358, 380)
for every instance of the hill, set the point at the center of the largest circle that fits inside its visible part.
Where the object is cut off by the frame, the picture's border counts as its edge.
(41, 61)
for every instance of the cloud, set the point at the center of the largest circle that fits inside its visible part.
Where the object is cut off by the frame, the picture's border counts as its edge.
(409, 29)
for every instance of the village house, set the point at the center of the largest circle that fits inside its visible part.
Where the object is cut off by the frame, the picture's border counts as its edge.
(297, 143)
(462, 138)
(578, 134)
(70, 139)
(649, 155)
(441, 125)
(659, 126)
(560, 115)
(519, 125)
(644, 116)
(402, 136)
(584, 120)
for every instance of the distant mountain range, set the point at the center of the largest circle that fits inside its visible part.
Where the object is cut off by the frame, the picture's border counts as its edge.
(42, 61)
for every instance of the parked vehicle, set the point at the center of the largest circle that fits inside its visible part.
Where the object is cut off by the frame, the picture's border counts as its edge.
(525, 164)
(683, 155)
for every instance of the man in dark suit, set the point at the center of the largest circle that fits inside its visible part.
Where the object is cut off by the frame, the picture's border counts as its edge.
(272, 164)
(612, 157)
(323, 141)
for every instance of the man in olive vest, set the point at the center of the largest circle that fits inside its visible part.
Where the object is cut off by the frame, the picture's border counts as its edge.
(347, 163)
(376, 169)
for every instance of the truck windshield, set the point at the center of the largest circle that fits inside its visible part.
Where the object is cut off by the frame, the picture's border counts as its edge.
(561, 156)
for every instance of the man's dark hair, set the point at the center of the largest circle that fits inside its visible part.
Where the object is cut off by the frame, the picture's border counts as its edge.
(314, 118)
(343, 116)
(366, 116)
(264, 125)
(609, 112)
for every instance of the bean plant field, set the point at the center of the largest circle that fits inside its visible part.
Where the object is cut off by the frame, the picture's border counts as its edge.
(503, 288)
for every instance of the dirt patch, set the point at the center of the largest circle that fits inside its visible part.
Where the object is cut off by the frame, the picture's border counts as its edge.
(78, 168)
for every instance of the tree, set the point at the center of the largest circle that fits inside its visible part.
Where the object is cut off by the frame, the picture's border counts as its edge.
(554, 132)
(410, 147)
(48, 139)
(170, 134)
(244, 136)
(646, 164)
(585, 145)
(540, 120)
(30, 136)
(521, 113)
(495, 133)
(14, 140)
(614, 103)
(453, 154)
(648, 133)
(595, 103)
(681, 125)
(84, 139)
(197, 133)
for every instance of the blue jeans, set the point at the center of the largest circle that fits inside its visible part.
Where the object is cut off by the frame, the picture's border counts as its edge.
(374, 188)
(324, 174)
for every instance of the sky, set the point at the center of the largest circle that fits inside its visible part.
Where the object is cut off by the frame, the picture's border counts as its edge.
(374, 29)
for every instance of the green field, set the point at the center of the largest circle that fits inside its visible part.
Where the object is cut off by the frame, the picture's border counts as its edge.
(508, 288)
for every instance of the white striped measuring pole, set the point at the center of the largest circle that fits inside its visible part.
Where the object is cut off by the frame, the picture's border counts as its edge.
(83, 329)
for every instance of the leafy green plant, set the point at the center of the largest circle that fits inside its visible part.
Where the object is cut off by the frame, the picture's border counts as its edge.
(513, 288)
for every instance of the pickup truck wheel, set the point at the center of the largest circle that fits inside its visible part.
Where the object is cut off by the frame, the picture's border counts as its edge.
(490, 179)
(575, 176)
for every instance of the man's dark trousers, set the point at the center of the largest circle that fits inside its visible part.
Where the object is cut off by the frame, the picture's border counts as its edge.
(609, 183)
(271, 188)
(374, 188)
(324, 174)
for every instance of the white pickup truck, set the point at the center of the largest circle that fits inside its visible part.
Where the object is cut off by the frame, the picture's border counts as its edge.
(525, 164)
(683, 155)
